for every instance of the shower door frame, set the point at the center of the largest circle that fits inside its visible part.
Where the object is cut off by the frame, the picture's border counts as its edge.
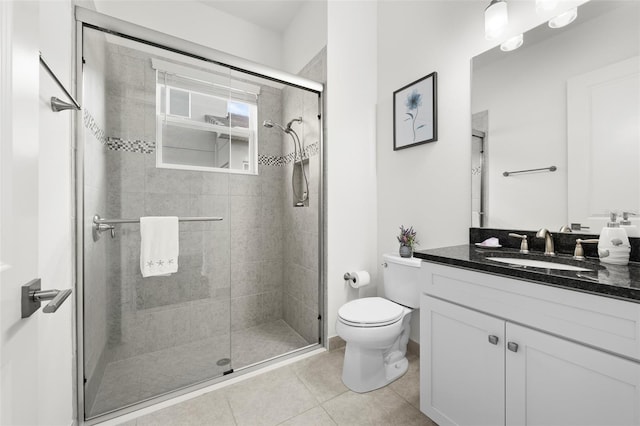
(108, 24)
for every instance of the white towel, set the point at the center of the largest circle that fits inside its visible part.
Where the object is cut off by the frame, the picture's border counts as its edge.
(158, 245)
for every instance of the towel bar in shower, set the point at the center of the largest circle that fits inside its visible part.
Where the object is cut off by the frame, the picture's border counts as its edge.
(101, 225)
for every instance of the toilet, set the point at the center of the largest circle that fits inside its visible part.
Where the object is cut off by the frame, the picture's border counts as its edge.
(376, 329)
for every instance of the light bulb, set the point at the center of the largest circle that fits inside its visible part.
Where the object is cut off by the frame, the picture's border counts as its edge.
(564, 19)
(512, 44)
(495, 19)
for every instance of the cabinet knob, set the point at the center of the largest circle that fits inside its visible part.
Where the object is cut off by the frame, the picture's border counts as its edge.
(512, 346)
(493, 339)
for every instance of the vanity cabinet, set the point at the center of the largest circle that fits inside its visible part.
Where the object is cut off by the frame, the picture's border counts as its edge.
(490, 367)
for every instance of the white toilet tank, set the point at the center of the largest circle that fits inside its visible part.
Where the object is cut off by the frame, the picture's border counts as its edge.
(402, 279)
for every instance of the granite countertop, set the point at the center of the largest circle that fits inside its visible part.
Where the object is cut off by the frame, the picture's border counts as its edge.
(620, 282)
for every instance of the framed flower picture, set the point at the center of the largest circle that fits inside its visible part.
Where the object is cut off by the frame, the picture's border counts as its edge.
(415, 113)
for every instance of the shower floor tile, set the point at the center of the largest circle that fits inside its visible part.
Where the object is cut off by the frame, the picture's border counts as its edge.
(262, 342)
(134, 379)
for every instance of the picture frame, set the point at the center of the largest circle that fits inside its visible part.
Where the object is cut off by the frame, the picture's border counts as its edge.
(415, 113)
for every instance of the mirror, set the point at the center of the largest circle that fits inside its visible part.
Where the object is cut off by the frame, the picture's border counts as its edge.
(556, 127)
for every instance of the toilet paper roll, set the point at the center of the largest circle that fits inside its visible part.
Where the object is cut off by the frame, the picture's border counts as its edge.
(360, 279)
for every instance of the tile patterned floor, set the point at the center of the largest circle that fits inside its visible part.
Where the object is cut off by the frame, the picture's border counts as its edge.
(308, 392)
(134, 379)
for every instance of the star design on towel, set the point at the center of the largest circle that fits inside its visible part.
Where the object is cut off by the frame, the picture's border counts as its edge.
(160, 262)
(150, 263)
(170, 261)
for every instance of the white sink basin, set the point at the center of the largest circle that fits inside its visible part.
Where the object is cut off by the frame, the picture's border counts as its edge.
(537, 264)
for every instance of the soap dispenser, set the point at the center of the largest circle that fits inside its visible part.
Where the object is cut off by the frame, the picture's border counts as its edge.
(613, 244)
(630, 229)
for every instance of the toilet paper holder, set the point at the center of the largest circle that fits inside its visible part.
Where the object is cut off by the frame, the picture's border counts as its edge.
(357, 279)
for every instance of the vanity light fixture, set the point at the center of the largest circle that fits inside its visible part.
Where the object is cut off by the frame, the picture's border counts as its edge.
(564, 19)
(495, 19)
(544, 6)
(512, 44)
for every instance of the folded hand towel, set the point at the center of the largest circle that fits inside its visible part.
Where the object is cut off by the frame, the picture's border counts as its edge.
(158, 245)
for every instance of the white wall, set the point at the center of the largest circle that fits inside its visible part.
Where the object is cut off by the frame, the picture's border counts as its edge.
(202, 24)
(429, 186)
(350, 149)
(305, 36)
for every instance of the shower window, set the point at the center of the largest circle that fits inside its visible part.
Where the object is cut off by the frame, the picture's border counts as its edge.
(206, 121)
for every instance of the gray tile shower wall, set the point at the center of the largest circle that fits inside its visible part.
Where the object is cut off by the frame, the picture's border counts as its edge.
(301, 239)
(231, 272)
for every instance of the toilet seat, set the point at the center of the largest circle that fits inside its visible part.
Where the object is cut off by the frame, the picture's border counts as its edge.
(370, 312)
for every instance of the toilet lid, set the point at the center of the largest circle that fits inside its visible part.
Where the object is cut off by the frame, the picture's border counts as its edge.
(370, 311)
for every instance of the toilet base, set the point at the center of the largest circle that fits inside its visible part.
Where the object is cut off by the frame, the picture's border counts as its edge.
(362, 372)
(369, 367)
(396, 369)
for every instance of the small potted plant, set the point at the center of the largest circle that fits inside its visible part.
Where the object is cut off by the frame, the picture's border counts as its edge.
(407, 240)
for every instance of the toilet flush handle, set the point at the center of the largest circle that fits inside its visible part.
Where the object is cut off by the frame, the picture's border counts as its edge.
(384, 264)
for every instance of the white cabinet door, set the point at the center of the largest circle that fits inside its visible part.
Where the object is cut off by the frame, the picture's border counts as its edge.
(552, 381)
(462, 371)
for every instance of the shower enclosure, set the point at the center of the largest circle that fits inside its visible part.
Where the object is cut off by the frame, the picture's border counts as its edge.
(171, 129)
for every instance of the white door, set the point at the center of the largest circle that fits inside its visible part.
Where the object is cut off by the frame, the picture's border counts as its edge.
(19, 212)
(462, 365)
(35, 353)
(603, 141)
(552, 381)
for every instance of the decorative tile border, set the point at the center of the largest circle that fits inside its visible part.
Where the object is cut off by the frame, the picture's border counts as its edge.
(137, 145)
(149, 147)
(282, 161)
(116, 144)
(91, 124)
(271, 160)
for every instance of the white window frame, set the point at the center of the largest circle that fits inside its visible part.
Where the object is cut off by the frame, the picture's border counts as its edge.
(217, 80)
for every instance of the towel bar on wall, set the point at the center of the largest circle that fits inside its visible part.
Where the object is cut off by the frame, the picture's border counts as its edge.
(58, 105)
(101, 225)
(550, 168)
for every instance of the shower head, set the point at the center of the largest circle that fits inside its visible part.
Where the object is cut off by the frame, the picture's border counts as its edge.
(270, 124)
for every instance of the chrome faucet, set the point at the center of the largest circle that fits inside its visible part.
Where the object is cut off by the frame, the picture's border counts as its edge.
(524, 247)
(548, 241)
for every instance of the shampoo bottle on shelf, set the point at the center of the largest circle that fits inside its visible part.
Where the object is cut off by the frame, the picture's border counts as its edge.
(630, 229)
(613, 244)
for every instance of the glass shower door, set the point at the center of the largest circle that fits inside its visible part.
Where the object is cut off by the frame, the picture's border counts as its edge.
(144, 337)
(169, 134)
